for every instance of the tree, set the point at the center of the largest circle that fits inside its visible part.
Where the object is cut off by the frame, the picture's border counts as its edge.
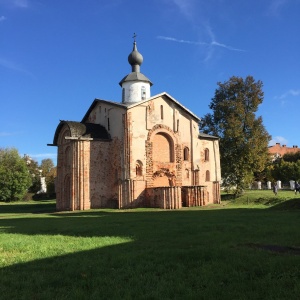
(287, 168)
(243, 137)
(46, 166)
(286, 171)
(14, 176)
(50, 181)
(34, 170)
(49, 172)
(291, 157)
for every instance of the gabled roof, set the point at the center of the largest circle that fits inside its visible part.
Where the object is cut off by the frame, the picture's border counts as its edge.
(82, 130)
(164, 94)
(96, 101)
(131, 105)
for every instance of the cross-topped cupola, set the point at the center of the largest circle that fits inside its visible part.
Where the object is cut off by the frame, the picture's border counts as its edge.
(135, 85)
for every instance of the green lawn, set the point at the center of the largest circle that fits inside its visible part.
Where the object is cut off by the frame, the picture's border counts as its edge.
(247, 248)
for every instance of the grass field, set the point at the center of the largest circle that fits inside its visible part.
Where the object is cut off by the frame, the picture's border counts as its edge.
(246, 248)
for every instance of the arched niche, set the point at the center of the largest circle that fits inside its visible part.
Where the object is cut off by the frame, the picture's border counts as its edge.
(163, 147)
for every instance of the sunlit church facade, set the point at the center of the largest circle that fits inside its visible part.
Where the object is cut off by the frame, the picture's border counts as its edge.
(145, 151)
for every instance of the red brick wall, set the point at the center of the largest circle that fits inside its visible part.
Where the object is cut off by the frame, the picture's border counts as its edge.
(162, 151)
(161, 147)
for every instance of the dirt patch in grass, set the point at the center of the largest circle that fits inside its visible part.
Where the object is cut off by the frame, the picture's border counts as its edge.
(275, 248)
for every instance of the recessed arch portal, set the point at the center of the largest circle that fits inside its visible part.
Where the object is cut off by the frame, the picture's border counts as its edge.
(163, 148)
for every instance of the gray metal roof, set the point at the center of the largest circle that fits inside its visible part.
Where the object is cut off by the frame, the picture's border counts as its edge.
(131, 105)
(82, 130)
(164, 94)
(135, 59)
(135, 76)
(207, 136)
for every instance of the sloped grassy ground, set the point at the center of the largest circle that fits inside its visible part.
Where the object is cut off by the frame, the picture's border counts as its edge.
(284, 200)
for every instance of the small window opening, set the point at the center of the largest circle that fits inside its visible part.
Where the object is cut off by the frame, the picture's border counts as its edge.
(108, 125)
(123, 94)
(207, 176)
(162, 112)
(206, 154)
(143, 92)
(186, 153)
(138, 168)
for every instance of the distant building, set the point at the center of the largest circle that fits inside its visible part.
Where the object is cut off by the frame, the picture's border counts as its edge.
(278, 150)
(145, 151)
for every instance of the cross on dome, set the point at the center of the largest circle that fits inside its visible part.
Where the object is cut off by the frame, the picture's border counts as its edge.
(134, 36)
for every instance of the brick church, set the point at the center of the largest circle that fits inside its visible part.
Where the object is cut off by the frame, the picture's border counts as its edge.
(145, 151)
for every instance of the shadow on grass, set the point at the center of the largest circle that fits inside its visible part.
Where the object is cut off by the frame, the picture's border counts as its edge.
(186, 254)
(125, 271)
(41, 206)
(292, 204)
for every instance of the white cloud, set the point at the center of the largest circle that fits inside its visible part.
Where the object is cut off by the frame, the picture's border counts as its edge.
(210, 46)
(193, 11)
(15, 3)
(290, 92)
(13, 66)
(275, 7)
(3, 133)
(186, 7)
(21, 3)
(215, 43)
(286, 97)
(278, 139)
(167, 38)
(43, 155)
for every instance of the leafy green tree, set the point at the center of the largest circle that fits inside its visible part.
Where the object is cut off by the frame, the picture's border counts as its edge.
(49, 172)
(286, 170)
(50, 181)
(266, 174)
(14, 176)
(46, 166)
(243, 137)
(34, 170)
(291, 157)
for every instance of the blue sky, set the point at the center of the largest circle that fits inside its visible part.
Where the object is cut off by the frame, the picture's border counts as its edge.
(56, 57)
